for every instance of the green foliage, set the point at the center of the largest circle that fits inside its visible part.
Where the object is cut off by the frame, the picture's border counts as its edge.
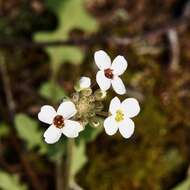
(79, 159)
(52, 91)
(89, 134)
(10, 182)
(80, 19)
(4, 130)
(27, 129)
(185, 185)
(57, 150)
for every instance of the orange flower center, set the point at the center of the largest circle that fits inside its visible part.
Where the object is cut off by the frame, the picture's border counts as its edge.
(58, 121)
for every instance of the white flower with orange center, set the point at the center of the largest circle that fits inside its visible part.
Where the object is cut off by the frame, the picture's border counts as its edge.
(120, 117)
(109, 73)
(59, 121)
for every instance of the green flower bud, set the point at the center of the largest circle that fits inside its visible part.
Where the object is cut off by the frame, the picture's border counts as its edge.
(94, 122)
(83, 99)
(91, 114)
(75, 97)
(99, 106)
(91, 98)
(99, 94)
(86, 92)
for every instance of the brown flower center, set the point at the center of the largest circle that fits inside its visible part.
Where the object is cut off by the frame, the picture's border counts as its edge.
(58, 121)
(108, 73)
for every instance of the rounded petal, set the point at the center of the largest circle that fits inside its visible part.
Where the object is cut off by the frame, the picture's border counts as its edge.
(102, 60)
(126, 128)
(103, 82)
(110, 125)
(119, 65)
(131, 107)
(52, 134)
(72, 128)
(115, 104)
(118, 85)
(84, 82)
(46, 114)
(67, 109)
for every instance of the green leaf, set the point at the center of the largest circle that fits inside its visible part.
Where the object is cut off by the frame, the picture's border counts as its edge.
(10, 182)
(89, 134)
(80, 19)
(27, 129)
(185, 185)
(4, 130)
(51, 91)
(79, 159)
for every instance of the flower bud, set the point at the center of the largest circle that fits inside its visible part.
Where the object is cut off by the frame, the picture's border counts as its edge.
(99, 106)
(99, 94)
(91, 114)
(91, 98)
(84, 82)
(86, 91)
(75, 97)
(94, 122)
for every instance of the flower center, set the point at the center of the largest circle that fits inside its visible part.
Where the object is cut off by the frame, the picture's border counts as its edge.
(58, 121)
(119, 116)
(108, 73)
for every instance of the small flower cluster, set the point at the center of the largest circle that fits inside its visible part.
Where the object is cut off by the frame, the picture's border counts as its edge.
(86, 104)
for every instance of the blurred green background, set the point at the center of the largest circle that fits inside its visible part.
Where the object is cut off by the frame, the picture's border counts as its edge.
(46, 45)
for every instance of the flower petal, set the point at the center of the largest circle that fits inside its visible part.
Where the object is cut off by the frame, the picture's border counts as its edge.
(46, 114)
(114, 105)
(119, 65)
(72, 128)
(102, 60)
(131, 107)
(103, 82)
(118, 85)
(126, 128)
(52, 134)
(84, 82)
(67, 109)
(110, 125)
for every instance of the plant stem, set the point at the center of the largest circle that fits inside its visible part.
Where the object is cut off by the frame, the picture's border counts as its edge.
(63, 168)
(102, 114)
(59, 174)
(68, 162)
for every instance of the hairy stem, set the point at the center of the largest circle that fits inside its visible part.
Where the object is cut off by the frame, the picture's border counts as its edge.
(102, 114)
(68, 162)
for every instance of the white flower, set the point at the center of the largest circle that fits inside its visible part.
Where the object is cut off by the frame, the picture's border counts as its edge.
(120, 117)
(59, 121)
(109, 72)
(84, 82)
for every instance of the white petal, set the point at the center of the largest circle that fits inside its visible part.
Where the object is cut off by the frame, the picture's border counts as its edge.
(102, 60)
(72, 128)
(46, 114)
(118, 85)
(114, 105)
(119, 65)
(52, 134)
(126, 128)
(67, 109)
(84, 82)
(103, 82)
(131, 107)
(110, 125)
